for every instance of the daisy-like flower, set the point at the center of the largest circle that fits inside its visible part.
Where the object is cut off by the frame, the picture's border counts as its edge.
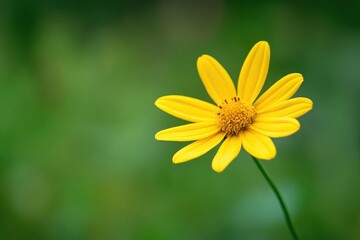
(239, 119)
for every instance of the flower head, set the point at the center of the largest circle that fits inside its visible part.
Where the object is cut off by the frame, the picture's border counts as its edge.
(239, 119)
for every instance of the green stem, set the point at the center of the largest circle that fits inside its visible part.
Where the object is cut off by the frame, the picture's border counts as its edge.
(278, 195)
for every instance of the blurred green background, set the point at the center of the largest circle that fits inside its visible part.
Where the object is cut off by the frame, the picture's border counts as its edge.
(78, 159)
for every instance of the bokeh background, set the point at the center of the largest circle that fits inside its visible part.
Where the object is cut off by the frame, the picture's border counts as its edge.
(78, 159)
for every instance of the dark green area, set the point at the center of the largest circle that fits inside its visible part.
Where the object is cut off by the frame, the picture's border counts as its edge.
(78, 159)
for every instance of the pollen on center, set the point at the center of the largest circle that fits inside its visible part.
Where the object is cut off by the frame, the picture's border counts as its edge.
(235, 115)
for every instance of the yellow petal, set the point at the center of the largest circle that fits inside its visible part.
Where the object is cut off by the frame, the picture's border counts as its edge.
(228, 151)
(275, 127)
(198, 148)
(282, 90)
(216, 80)
(253, 72)
(187, 108)
(257, 144)
(294, 108)
(188, 132)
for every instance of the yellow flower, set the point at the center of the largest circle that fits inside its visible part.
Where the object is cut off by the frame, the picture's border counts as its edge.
(238, 119)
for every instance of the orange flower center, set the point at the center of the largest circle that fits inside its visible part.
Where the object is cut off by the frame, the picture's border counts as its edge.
(235, 115)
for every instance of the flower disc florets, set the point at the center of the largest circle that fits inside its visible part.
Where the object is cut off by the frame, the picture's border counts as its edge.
(235, 115)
